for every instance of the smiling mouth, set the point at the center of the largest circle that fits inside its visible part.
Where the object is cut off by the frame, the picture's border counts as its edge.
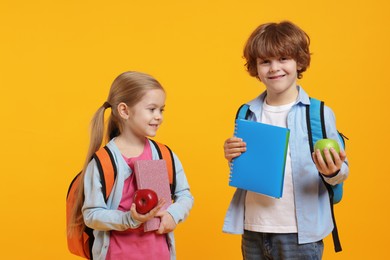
(276, 77)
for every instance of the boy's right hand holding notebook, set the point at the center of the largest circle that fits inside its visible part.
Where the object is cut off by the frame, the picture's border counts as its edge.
(233, 147)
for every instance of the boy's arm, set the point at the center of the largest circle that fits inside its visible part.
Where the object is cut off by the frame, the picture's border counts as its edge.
(339, 171)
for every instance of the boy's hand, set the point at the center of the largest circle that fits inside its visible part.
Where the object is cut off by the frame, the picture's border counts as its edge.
(167, 223)
(233, 147)
(151, 214)
(329, 166)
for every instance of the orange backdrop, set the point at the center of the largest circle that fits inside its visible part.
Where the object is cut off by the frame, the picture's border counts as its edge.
(58, 59)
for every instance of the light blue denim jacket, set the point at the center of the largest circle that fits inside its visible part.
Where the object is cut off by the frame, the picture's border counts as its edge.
(312, 208)
(103, 217)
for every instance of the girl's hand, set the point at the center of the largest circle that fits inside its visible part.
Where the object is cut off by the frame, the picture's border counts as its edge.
(151, 214)
(167, 224)
(233, 147)
(329, 166)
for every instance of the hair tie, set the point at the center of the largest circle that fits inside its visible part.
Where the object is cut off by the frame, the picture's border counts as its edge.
(106, 105)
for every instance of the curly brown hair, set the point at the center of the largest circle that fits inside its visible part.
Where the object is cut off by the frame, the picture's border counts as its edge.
(272, 40)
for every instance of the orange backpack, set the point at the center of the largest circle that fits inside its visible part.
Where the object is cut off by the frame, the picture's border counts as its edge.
(81, 245)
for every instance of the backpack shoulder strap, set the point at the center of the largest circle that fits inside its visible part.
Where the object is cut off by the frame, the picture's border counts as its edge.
(243, 112)
(315, 121)
(107, 169)
(164, 152)
(82, 245)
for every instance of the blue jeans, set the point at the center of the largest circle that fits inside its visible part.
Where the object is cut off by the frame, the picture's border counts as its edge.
(272, 246)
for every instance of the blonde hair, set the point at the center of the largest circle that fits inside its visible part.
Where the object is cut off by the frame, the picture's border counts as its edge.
(129, 88)
(283, 39)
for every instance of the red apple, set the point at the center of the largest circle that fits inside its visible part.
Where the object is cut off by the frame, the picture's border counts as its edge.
(145, 200)
(326, 143)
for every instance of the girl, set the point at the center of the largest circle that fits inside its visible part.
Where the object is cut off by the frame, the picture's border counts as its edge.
(137, 103)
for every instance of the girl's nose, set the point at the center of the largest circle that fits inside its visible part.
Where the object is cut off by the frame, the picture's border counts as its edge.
(158, 116)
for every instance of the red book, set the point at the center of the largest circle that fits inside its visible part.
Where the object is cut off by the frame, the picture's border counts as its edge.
(153, 174)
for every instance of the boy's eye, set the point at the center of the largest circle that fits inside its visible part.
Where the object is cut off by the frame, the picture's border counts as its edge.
(264, 61)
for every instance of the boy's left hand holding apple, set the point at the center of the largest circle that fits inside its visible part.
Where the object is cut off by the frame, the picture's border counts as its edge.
(329, 167)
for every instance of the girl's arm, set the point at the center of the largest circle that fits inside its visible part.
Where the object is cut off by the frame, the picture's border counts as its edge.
(96, 213)
(183, 199)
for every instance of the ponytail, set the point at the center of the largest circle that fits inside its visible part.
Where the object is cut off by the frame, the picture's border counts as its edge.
(96, 139)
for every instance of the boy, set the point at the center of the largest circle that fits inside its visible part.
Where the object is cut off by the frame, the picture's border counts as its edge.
(291, 227)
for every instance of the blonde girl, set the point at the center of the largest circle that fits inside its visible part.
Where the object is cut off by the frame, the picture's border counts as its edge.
(137, 102)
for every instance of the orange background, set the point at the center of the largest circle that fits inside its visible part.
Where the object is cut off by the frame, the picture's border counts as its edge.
(57, 62)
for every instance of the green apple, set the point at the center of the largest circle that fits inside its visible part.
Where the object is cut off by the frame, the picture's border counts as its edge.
(326, 143)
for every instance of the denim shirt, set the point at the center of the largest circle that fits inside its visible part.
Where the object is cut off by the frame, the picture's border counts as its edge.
(312, 206)
(103, 217)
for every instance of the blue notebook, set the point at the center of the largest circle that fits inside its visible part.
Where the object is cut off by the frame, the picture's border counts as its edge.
(261, 168)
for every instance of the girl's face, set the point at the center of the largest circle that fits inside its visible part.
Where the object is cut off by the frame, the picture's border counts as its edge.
(147, 115)
(278, 74)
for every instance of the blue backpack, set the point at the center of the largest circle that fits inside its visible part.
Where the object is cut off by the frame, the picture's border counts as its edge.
(316, 128)
(315, 121)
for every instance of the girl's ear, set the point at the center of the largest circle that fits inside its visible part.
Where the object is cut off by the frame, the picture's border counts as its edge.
(123, 110)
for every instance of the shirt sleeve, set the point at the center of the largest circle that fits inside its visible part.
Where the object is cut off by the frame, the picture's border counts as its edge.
(183, 199)
(97, 215)
(332, 133)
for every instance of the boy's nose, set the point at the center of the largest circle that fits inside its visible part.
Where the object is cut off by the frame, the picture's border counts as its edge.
(274, 66)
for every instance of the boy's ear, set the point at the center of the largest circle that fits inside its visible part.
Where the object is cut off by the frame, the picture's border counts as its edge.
(123, 110)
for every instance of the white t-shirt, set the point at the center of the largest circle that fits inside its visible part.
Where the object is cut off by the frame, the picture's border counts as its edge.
(267, 214)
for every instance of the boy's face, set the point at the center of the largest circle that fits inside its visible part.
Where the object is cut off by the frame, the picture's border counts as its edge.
(279, 75)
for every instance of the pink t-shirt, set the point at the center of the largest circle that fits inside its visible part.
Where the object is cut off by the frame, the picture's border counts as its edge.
(136, 244)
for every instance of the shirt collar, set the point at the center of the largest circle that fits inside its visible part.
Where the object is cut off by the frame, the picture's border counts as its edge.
(257, 103)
